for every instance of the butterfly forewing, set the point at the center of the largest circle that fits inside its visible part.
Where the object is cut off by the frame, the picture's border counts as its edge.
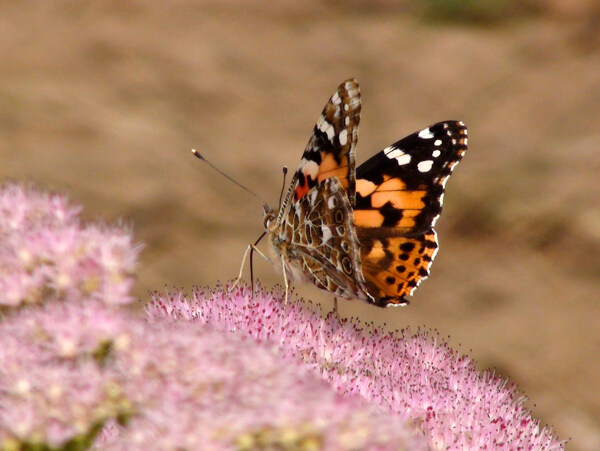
(330, 150)
(401, 187)
(314, 234)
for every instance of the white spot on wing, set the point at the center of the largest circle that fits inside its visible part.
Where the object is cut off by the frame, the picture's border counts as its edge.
(327, 235)
(309, 168)
(343, 137)
(437, 142)
(331, 203)
(425, 133)
(336, 99)
(326, 128)
(395, 153)
(434, 220)
(436, 153)
(404, 159)
(425, 166)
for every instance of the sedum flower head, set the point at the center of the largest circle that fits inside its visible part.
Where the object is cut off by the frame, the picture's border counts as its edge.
(46, 253)
(70, 370)
(55, 388)
(417, 376)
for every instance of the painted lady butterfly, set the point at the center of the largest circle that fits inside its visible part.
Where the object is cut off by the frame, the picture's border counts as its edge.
(366, 235)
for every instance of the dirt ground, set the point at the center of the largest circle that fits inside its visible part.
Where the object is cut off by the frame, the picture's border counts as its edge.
(103, 100)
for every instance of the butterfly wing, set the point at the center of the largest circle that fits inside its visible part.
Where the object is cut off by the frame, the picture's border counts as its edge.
(323, 247)
(315, 219)
(399, 194)
(330, 150)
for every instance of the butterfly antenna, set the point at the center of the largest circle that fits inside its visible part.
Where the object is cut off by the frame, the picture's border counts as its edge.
(199, 155)
(282, 185)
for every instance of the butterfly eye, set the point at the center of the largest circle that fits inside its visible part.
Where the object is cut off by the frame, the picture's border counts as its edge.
(266, 221)
(347, 265)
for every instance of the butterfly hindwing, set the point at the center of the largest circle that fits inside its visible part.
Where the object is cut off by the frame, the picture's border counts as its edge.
(319, 228)
(330, 150)
(393, 267)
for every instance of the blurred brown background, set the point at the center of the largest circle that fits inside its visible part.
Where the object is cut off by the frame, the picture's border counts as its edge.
(103, 100)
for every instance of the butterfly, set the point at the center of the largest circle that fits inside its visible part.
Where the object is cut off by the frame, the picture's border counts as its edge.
(364, 233)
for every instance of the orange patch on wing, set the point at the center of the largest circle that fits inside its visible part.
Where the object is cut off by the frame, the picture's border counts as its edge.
(408, 219)
(392, 184)
(329, 168)
(364, 187)
(401, 275)
(368, 218)
(376, 252)
(412, 200)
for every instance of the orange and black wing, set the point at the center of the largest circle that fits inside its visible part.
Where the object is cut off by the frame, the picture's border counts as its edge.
(330, 150)
(399, 194)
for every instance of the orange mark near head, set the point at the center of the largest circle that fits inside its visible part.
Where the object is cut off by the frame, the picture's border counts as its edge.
(368, 218)
(301, 190)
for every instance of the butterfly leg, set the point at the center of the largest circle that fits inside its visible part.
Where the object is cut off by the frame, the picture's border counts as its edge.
(335, 309)
(285, 281)
(251, 247)
(252, 261)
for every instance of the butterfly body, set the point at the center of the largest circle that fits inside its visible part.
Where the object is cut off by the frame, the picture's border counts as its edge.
(363, 233)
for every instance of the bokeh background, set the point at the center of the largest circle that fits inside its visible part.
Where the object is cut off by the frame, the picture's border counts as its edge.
(102, 100)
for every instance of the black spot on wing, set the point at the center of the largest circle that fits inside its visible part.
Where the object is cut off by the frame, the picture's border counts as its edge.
(391, 215)
(407, 247)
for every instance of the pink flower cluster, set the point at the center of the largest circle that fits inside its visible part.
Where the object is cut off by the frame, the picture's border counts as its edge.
(416, 376)
(69, 369)
(76, 373)
(213, 371)
(46, 253)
